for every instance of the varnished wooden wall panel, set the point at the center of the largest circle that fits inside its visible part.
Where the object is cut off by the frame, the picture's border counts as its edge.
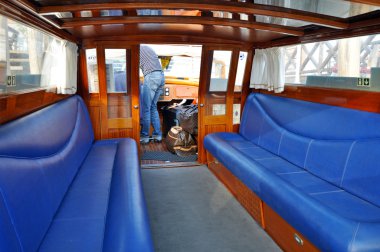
(26, 101)
(94, 112)
(18, 105)
(119, 106)
(215, 128)
(3, 106)
(120, 133)
(236, 128)
(284, 234)
(269, 220)
(360, 100)
(249, 200)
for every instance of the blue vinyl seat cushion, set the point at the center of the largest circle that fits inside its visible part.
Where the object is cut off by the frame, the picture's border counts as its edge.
(80, 222)
(316, 169)
(61, 191)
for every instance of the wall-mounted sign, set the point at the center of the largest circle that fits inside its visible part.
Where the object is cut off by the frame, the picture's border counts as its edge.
(364, 82)
(11, 81)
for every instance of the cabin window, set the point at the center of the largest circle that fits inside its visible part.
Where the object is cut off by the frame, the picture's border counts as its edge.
(31, 59)
(111, 13)
(220, 70)
(238, 87)
(222, 14)
(116, 62)
(118, 84)
(352, 63)
(147, 12)
(92, 70)
(86, 13)
(243, 16)
(67, 14)
(240, 71)
(217, 94)
(182, 67)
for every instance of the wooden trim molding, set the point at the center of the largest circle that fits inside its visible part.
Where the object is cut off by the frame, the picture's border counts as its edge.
(353, 99)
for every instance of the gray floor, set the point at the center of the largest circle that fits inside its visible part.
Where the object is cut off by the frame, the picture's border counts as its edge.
(190, 210)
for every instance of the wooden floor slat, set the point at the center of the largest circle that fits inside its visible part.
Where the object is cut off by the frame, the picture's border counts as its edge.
(152, 146)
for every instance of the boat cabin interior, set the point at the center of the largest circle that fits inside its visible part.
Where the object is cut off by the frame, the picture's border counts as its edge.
(262, 136)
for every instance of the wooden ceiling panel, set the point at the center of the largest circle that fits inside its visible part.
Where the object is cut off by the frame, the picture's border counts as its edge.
(220, 32)
(210, 5)
(204, 27)
(76, 22)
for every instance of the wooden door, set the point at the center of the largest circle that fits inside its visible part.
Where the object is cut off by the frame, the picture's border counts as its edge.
(118, 91)
(216, 93)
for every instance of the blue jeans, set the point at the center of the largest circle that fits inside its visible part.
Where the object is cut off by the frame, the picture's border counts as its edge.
(152, 89)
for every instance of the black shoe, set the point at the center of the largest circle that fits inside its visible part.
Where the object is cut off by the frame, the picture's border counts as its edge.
(144, 140)
(157, 139)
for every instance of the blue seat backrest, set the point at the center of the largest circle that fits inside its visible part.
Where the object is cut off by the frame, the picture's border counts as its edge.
(39, 156)
(328, 141)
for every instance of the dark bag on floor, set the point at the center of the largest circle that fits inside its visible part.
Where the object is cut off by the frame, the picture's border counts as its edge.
(180, 142)
(170, 114)
(188, 118)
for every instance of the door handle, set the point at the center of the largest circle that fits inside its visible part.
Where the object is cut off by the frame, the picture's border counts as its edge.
(201, 105)
(136, 106)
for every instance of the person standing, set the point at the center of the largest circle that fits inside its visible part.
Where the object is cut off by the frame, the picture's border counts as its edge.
(154, 81)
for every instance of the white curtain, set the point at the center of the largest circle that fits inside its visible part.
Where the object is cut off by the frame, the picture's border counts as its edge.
(268, 70)
(59, 68)
(70, 86)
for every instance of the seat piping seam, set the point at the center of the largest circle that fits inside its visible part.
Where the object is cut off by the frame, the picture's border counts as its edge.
(354, 237)
(326, 192)
(279, 145)
(307, 153)
(11, 217)
(346, 164)
(109, 195)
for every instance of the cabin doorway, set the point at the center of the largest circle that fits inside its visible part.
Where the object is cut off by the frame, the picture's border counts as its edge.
(177, 107)
(221, 91)
(112, 76)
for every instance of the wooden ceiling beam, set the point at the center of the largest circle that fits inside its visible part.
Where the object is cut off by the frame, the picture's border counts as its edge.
(324, 34)
(18, 13)
(370, 2)
(210, 5)
(33, 9)
(26, 4)
(75, 22)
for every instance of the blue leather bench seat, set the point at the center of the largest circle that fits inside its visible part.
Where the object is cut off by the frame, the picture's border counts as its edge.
(61, 191)
(317, 166)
